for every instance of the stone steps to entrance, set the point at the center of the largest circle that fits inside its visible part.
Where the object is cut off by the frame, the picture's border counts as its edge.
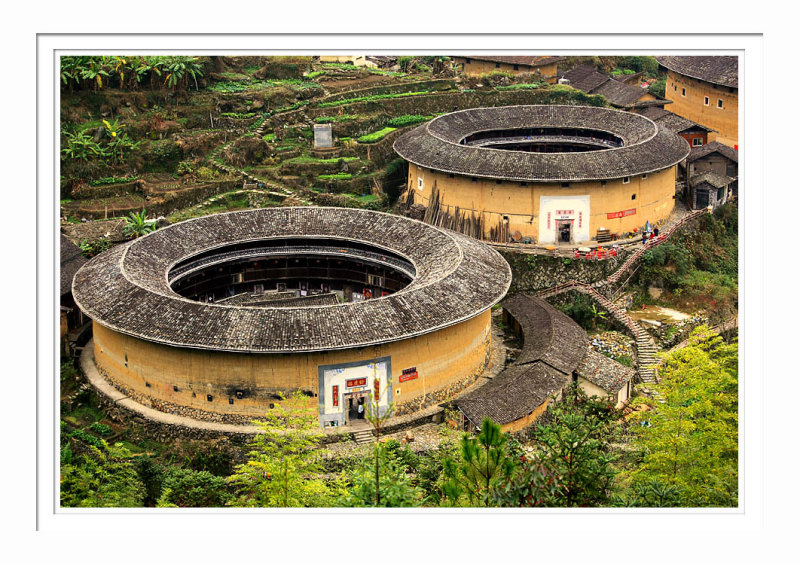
(363, 436)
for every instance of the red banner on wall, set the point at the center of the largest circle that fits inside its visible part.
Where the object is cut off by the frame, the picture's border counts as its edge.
(625, 213)
(409, 374)
(335, 396)
(377, 389)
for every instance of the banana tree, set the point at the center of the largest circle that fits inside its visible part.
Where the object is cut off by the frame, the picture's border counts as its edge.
(137, 225)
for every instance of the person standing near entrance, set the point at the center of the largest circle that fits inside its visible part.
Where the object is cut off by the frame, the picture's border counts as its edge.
(360, 409)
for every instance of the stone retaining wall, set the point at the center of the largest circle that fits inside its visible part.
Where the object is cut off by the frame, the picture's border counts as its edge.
(532, 273)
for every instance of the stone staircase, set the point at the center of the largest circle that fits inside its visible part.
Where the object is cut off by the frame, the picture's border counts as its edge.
(632, 262)
(646, 348)
(363, 436)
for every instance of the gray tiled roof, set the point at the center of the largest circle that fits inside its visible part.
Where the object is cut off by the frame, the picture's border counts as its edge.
(530, 61)
(717, 70)
(126, 287)
(554, 345)
(671, 121)
(514, 393)
(646, 146)
(713, 147)
(604, 372)
(617, 92)
(712, 178)
(71, 261)
(550, 336)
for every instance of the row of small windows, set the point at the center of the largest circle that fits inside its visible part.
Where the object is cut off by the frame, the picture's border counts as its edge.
(626, 180)
(706, 99)
(496, 65)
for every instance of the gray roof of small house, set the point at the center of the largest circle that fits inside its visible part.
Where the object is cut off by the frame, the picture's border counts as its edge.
(553, 346)
(71, 261)
(671, 121)
(514, 393)
(646, 148)
(549, 335)
(126, 288)
(717, 70)
(617, 92)
(712, 178)
(604, 372)
(529, 61)
(713, 147)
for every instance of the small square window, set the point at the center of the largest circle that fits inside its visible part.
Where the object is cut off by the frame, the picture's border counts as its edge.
(603, 182)
(516, 67)
(633, 196)
(644, 176)
(419, 183)
(719, 103)
(468, 61)
(499, 181)
(706, 101)
(626, 180)
(683, 92)
(565, 184)
(497, 65)
(697, 142)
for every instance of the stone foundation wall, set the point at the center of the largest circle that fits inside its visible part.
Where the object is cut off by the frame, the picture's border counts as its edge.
(537, 272)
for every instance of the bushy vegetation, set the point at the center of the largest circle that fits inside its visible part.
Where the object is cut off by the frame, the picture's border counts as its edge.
(698, 267)
(406, 120)
(376, 136)
(130, 72)
(521, 86)
(687, 444)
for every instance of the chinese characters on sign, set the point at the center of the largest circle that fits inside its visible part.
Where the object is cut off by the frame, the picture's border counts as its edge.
(335, 396)
(625, 213)
(409, 374)
(355, 382)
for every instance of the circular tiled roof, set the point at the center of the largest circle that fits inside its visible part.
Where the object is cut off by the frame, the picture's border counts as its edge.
(646, 147)
(126, 288)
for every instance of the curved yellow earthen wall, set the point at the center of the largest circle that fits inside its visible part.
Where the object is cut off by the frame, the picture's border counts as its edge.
(654, 199)
(441, 359)
(692, 106)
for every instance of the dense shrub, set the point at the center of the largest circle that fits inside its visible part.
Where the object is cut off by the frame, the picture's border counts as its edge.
(377, 135)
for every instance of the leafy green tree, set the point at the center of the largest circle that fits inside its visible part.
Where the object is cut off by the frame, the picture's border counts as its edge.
(137, 225)
(377, 419)
(652, 493)
(81, 147)
(283, 465)
(394, 488)
(531, 486)
(572, 450)
(96, 474)
(690, 439)
(152, 477)
(191, 488)
(483, 464)
(431, 471)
